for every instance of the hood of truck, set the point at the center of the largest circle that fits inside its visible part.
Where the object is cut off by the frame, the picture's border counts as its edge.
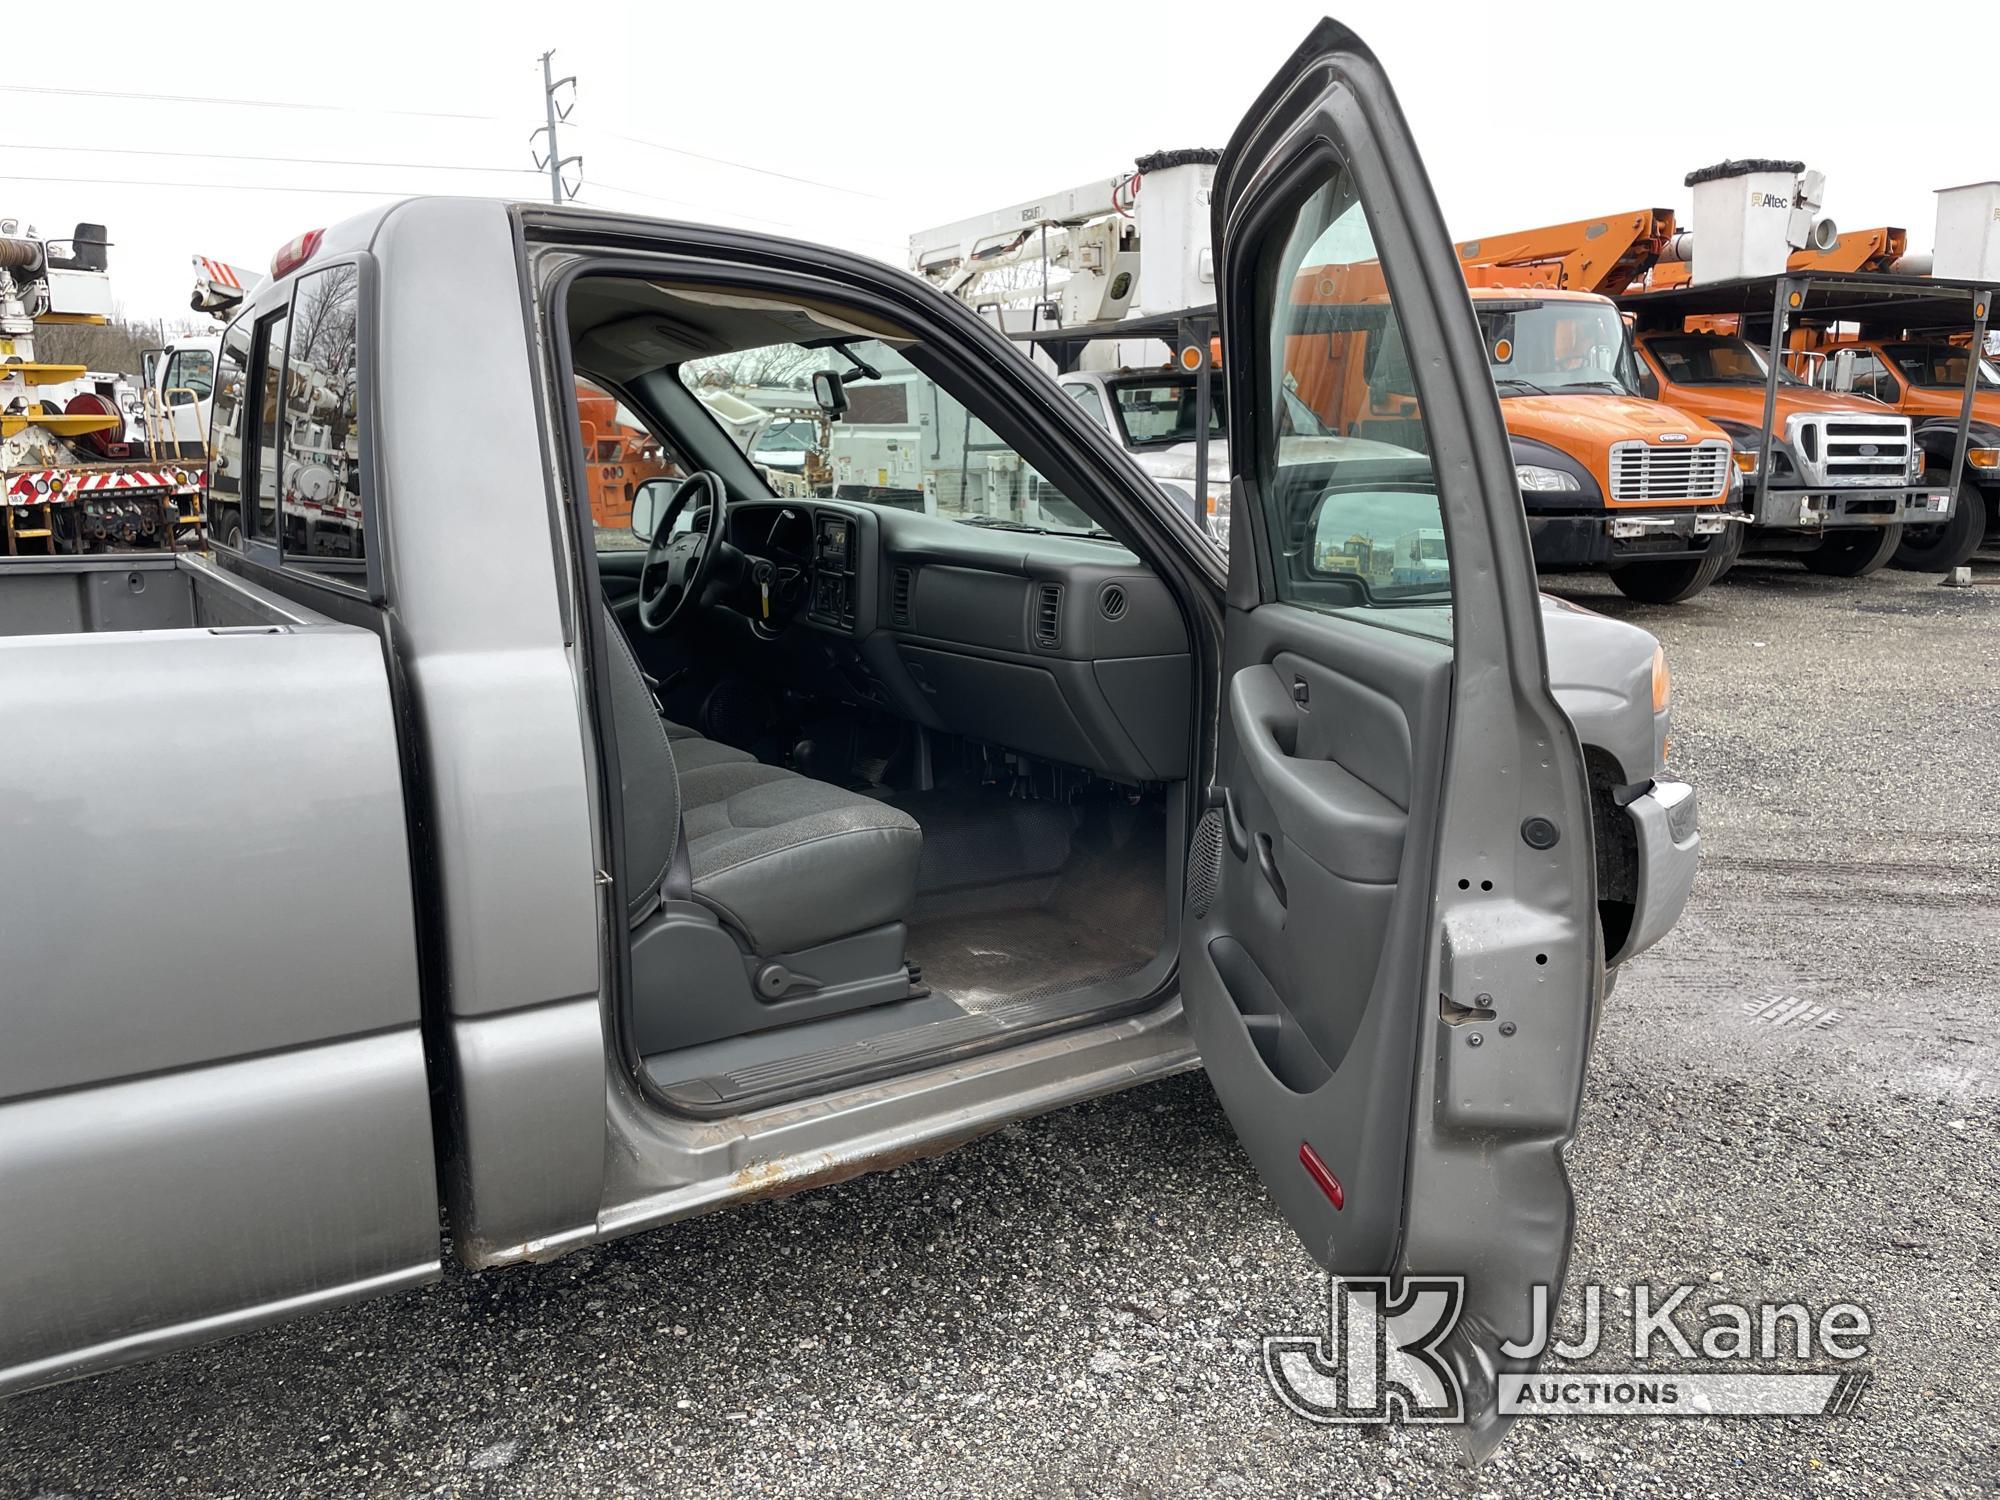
(1745, 403)
(1919, 401)
(1585, 425)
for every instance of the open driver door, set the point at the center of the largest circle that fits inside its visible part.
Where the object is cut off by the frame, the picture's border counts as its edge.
(1390, 958)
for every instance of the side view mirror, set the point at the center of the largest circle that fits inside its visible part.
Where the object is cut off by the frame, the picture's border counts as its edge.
(1840, 371)
(831, 393)
(1649, 384)
(649, 504)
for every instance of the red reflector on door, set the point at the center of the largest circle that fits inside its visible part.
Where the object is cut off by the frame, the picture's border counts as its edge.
(1322, 1174)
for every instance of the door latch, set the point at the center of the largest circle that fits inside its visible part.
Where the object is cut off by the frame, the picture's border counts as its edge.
(1300, 692)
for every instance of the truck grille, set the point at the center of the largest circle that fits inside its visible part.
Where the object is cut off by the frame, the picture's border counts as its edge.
(1659, 472)
(1837, 449)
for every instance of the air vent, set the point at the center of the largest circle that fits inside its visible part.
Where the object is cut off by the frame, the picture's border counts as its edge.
(1112, 601)
(901, 582)
(1048, 616)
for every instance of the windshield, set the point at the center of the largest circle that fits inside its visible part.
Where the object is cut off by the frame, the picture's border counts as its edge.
(1537, 348)
(904, 440)
(1712, 359)
(1936, 367)
(1160, 409)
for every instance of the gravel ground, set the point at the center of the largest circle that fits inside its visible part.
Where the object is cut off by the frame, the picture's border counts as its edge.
(1072, 1306)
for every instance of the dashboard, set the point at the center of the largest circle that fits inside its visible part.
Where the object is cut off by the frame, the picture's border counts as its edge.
(1060, 647)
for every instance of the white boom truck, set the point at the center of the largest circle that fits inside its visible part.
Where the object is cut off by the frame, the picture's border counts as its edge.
(1113, 283)
(83, 464)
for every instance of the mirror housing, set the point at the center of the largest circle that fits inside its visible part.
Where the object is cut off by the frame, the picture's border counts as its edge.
(650, 502)
(831, 393)
(1840, 371)
(1649, 384)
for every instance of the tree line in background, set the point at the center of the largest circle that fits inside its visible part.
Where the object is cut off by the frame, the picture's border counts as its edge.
(112, 347)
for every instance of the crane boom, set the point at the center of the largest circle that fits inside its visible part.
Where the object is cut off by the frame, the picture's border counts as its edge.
(1602, 255)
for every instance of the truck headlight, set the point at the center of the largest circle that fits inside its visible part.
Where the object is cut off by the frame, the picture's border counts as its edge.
(1216, 515)
(1536, 477)
(1916, 463)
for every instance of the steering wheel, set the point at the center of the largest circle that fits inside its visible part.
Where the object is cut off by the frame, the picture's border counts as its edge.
(677, 568)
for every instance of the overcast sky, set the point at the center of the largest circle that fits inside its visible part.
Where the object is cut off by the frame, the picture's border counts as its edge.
(887, 118)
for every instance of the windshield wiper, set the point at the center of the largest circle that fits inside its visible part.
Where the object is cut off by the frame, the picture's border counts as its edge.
(994, 523)
(1525, 385)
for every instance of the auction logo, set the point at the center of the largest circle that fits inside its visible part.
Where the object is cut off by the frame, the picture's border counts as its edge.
(1352, 1378)
(1380, 1357)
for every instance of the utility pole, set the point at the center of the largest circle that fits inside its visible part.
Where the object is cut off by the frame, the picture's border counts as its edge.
(554, 160)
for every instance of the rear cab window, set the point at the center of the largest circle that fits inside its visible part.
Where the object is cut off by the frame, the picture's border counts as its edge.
(288, 481)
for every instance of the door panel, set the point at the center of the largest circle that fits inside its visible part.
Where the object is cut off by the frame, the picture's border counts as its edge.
(1326, 957)
(1389, 961)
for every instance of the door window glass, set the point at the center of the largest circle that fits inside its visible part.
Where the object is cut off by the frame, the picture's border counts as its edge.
(192, 370)
(1350, 499)
(1872, 379)
(1086, 397)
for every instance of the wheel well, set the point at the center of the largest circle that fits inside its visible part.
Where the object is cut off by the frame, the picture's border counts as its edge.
(1617, 848)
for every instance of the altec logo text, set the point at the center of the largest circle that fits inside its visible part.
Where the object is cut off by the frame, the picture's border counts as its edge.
(1382, 1356)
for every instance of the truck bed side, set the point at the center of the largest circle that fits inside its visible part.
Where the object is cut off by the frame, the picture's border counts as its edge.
(212, 1091)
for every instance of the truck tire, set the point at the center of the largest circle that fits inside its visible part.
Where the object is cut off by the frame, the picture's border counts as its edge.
(1680, 580)
(1854, 553)
(1939, 549)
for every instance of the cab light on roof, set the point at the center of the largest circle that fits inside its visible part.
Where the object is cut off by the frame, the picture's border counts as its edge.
(295, 253)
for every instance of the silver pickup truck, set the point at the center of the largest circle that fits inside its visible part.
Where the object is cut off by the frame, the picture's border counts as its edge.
(434, 845)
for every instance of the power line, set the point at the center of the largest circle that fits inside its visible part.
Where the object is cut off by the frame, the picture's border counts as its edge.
(435, 114)
(723, 161)
(226, 187)
(345, 109)
(304, 161)
(804, 229)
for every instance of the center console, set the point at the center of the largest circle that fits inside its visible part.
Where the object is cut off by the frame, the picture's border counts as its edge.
(835, 569)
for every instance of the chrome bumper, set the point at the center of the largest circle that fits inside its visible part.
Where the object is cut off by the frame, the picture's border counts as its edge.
(1669, 834)
(1813, 510)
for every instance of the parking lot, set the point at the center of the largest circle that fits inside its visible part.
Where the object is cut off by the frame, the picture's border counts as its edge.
(1074, 1305)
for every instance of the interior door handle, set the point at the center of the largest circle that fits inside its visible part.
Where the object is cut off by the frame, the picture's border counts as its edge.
(1267, 862)
(1330, 815)
(1232, 825)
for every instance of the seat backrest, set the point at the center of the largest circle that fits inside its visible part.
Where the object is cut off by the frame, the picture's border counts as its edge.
(646, 776)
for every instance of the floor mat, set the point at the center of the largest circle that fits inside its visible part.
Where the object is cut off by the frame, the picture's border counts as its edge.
(983, 957)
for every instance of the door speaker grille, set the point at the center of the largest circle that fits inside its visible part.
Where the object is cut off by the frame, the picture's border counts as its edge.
(1204, 877)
